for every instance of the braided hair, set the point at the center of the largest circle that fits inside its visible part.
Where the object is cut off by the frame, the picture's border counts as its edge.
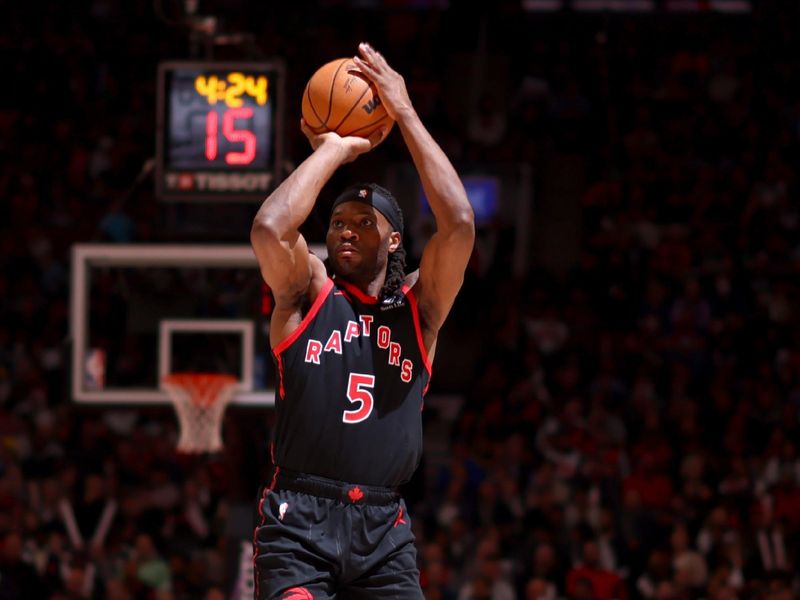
(396, 265)
(395, 272)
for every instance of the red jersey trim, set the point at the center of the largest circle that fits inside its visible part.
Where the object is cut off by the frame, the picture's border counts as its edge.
(281, 389)
(261, 513)
(289, 339)
(412, 301)
(362, 297)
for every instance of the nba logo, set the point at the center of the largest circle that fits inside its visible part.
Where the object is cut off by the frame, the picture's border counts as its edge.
(94, 369)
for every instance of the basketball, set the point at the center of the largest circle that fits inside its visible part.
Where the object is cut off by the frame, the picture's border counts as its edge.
(339, 98)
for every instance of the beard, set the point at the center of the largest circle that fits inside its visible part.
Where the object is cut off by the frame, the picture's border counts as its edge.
(360, 268)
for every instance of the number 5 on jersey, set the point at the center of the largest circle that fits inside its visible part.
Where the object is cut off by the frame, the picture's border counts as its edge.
(358, 391)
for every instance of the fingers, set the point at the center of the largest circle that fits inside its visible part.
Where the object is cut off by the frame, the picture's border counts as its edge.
(370, 57)
(313, 137)
(364, 67)
(378, 136)
(307, 131)
(367, 51)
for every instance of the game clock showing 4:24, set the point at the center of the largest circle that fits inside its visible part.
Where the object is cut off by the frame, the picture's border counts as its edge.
(219, 130)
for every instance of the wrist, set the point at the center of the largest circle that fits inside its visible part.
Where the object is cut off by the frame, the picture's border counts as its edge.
(405, 115)
(334, 147)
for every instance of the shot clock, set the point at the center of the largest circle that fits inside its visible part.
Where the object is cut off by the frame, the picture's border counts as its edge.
(219, 130)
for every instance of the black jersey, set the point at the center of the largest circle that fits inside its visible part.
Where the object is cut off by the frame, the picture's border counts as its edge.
(351, 379)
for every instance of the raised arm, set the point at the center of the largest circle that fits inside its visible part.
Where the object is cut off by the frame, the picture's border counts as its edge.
(282, 253)
(444, 260)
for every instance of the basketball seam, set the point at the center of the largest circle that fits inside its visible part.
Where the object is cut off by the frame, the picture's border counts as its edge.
(330, 94)
(313, 109)
(357, 129)
(352, 108)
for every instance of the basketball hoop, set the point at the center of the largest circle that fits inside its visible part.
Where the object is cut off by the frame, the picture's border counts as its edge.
(200, 400)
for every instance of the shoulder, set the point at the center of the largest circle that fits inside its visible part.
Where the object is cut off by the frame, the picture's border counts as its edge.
(418, 300)
(319, 278)
(409, 290)
(295, 299)
(411, 281)
(414, 289)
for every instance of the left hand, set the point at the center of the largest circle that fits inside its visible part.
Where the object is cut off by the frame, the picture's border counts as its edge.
(389, 83)
(353, 145)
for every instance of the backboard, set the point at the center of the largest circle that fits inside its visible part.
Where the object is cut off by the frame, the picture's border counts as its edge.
(138, 312)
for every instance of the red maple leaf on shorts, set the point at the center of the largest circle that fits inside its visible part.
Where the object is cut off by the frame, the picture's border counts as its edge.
(297, 593)
(355, 494)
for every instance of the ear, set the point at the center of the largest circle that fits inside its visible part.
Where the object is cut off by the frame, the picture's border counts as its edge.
(394, 241)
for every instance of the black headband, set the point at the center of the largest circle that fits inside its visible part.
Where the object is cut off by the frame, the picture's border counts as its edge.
(377, 200)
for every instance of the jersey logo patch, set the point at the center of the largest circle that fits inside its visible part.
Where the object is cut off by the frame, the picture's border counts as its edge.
(393, 302)
(399, 520)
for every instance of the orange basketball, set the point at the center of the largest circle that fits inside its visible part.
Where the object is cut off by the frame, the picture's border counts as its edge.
(339, 98)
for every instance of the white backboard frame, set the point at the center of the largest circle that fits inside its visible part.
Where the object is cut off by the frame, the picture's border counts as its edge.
(84, 256)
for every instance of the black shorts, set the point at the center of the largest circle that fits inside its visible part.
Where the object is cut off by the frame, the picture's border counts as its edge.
(319, 538)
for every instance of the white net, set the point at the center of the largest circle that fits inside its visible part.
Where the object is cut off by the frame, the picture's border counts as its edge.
(200, 400)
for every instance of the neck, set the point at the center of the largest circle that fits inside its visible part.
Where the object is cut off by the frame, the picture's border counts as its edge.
(370, 288)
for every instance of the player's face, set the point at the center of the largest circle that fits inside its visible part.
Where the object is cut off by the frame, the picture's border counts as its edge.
(359, 239)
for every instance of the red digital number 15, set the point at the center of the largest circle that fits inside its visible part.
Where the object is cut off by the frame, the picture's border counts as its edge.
(248, 138)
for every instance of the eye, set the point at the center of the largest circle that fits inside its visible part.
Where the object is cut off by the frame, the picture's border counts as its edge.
(337, 223)
(366, 222)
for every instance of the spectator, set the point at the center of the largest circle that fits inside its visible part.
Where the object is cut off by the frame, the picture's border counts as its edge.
(603, 584)
(689, 566)
(540, 589)
(644, 397)
(146, 568)
(19, 579)
(657, 576)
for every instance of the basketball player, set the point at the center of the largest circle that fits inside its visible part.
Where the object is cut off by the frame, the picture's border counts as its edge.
(353, 353)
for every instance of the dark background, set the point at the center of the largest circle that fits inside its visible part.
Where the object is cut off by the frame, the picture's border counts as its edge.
(620, 419)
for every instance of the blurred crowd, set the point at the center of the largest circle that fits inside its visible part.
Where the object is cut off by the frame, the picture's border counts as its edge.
(631, 429)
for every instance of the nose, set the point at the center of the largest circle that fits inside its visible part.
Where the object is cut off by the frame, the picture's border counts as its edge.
(348, 233)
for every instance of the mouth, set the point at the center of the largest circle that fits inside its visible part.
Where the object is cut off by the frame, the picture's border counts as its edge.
(346, 250)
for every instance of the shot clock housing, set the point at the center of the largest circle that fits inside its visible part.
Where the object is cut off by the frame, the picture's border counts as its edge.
(219, 130)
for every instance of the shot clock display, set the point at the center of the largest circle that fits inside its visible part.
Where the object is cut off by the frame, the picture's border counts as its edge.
(219, 129)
